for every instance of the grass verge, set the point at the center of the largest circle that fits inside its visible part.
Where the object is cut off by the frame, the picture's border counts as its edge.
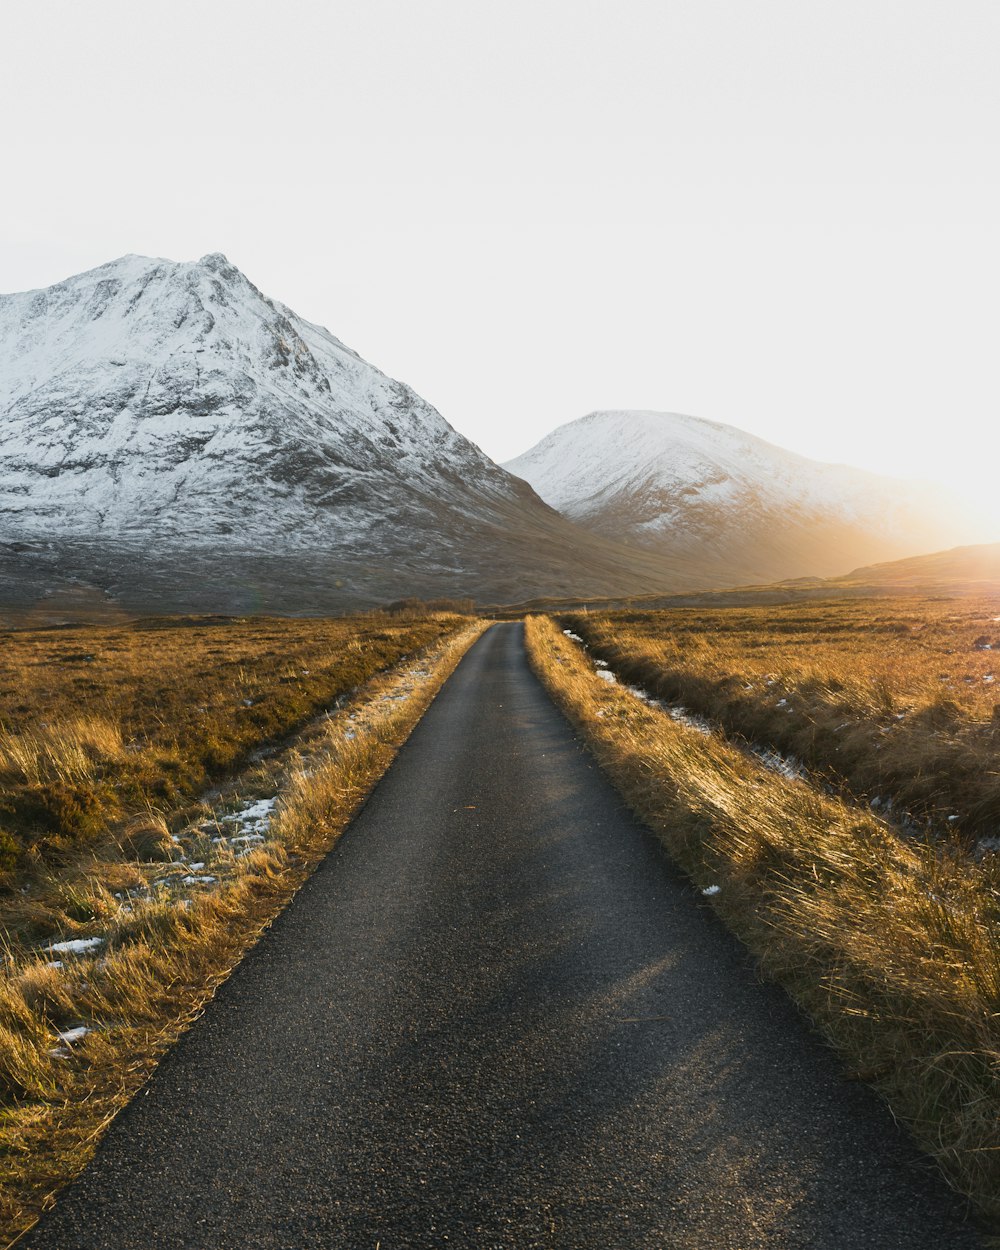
(81, 1029)
(891, 701)
(892, 948)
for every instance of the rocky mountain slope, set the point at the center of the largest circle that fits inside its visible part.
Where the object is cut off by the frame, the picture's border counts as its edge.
(172, 439)
(748, 511)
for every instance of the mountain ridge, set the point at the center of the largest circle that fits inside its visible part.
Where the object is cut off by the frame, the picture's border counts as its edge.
(159, 416)
(176, 440)
(676, 484)
(974, 565)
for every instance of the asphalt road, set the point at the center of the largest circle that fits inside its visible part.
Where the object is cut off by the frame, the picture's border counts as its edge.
(496, 1017)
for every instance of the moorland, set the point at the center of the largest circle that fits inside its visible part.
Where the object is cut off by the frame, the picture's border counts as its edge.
(824, 770)
(895, 702)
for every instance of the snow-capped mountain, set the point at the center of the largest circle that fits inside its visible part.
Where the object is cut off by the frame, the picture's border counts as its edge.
(694, 489)
(146, 395)
(174, 438)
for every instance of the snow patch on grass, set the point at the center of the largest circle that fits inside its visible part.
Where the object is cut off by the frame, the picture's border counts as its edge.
(76, 946)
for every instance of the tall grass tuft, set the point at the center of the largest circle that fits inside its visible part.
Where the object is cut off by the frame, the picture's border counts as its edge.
(65, 751)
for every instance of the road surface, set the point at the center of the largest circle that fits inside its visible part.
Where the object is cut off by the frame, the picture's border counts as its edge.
(496, 1017)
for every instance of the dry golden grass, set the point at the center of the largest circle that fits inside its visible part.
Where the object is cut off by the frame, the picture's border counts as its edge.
(65, 751)
(887, 699)
(166, 945)
(100, 723)
(892, 947)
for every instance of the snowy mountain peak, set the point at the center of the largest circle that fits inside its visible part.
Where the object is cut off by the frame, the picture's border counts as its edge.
(147, 393)
(605, 453)
(216, 261)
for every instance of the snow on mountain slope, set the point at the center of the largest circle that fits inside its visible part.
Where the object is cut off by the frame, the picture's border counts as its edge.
(146, 394)
(688, 487)
(173, 438)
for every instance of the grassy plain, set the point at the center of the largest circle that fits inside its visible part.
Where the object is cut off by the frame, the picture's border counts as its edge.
(98, 724)
(890, 944)
(160, 920)
(892, 700)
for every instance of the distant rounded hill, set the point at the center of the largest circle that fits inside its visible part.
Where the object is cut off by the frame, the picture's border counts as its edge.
(968, 567)
(684, 487)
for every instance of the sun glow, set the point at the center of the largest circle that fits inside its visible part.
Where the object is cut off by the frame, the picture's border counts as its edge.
(974, 490)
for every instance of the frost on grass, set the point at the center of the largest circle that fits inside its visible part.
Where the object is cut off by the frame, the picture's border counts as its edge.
(74, 1035)
(254, 815)
(76, 946)
(784, 765)
(67, 1038)
(683, 717)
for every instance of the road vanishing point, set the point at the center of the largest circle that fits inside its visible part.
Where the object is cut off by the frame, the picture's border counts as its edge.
(497, 1017)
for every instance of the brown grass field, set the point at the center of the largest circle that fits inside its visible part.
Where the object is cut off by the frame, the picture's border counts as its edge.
(99, 724)
(896, 701)
(163, 900)
(890, 944)
(123, 749)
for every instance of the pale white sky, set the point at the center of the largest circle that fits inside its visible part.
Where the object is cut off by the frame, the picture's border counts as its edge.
(782, 214)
